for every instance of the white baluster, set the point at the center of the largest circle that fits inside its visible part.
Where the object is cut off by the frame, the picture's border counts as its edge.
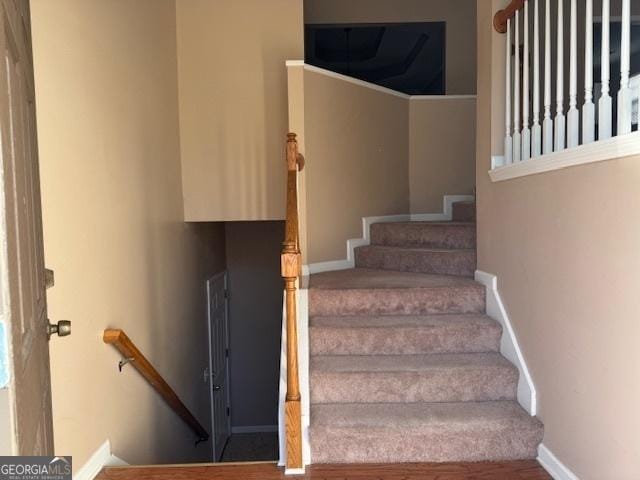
(547, 124)
(508, 140)
(517, 148)
(536, 130)
(624, 95)
(589, 109)
(573, 116)
(604, 105)
(560, 120)
(526, 132)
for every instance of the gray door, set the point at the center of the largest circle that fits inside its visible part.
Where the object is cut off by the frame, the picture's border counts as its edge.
(218, 363)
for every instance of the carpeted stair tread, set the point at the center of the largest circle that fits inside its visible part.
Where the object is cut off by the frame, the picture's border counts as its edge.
(416, 415)
(421, 260)
(404, 363)
(450, 235)
(361, 291)
(367, 278)
(402, 321)
(412, 378)
(422, 432)
(403, 334)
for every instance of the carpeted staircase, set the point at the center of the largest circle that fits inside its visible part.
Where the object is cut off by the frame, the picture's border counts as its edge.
(405, 365)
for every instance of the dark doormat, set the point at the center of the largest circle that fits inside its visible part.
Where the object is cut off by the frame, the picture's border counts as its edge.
(251, 447)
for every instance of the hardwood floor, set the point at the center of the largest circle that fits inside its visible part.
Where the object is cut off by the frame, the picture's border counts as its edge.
(520, 470)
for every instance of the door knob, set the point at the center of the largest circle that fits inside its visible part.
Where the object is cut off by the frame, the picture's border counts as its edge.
(62, 328)
(217, 387)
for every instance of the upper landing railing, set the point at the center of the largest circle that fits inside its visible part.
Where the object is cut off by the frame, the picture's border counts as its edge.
(532, 131)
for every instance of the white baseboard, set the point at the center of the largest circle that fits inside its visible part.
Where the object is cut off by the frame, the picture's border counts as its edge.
(553, 466)
(101, 458)
(509, 346)
(353, 243)
(294, 471)
(255, 429)
(115, 462)
(449, 200)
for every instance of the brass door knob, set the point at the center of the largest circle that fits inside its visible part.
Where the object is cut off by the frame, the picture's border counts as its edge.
(62, 328)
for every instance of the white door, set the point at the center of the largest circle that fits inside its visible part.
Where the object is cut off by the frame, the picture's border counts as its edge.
(218, 363)
(23, 309)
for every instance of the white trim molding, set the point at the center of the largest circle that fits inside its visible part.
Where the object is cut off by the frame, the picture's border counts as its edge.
(294, 471)
(553, 466)
(497, 161)
(101, 458)
(353, 243)
(610, 149)
(345, 78)
(373, 86)
(443, 97)
(509, 346)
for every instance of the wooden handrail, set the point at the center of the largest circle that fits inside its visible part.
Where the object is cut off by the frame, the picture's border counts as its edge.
(290, 266)
(501, 17)
(128, 349)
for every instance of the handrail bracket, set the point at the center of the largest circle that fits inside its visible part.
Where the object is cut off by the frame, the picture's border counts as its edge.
(123, 362)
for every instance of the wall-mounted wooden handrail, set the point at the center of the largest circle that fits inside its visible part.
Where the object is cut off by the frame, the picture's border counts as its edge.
(502, 16)
(129, 351)
(291, 265)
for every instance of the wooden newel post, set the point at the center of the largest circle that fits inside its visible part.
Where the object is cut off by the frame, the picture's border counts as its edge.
(290, 266)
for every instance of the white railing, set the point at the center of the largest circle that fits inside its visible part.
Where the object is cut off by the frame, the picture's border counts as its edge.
(572, 124)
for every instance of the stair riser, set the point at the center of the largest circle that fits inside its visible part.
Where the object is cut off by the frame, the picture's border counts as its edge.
(414, 301)
(440, 385)
(423, 235)
(460, 263)
(464, 212)
(471, 444)
(410, 340)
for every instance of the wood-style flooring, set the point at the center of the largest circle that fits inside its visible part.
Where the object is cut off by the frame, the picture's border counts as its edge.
(520, 470)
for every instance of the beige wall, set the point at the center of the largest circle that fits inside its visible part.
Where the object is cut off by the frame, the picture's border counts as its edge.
(233, 105)
(356, 147)
(255, 316)
(460, 16)
(369, 153)
(565, 248)
(442, 151)
(106, 91)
